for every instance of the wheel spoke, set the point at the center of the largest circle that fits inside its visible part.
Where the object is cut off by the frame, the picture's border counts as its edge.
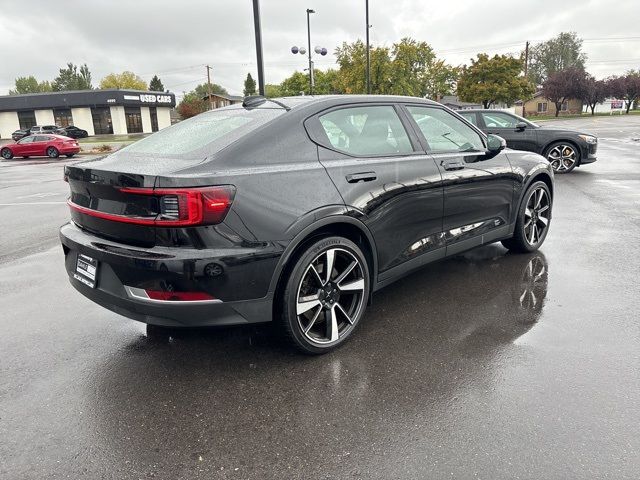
(543, 209)
(307, 303)
(356, 285)
(316, 275)
(313, 320)
(332, 324)
(527, 212)
(331, 254)
(545, 221)
(343, 311)
(344, 274)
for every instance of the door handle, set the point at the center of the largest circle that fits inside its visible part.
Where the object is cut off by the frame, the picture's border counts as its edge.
(452, 165)
(361, 177)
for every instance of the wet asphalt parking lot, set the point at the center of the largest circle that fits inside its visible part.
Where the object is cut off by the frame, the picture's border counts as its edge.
(487, 365)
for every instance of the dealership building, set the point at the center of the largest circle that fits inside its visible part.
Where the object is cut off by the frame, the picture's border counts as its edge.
(99, 112)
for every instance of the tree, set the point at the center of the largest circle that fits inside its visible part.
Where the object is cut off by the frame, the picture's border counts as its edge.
(125, 80)
(491, 80)
(191, 105)
(155, 85)
(71, 78)
(594, 92)
(249, 86)
(559, 53)
(409, 67)
(203, 91)
(30, 85)
(563, 85)
(296, 84)
(626, 87)
(272, 91)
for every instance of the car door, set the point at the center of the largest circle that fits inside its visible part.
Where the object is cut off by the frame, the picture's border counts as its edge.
(506, 126)
(374, 158)
(478, 186)
(39, 145)
(24, 147)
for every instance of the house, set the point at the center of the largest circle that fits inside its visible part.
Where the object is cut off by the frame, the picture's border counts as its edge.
(219, 100)
(539, 105)
(610, 105)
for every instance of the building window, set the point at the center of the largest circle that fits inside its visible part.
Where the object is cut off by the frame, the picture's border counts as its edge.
(542, 107)
(63, 116)
(134, 119)
(564, 107)
(101, 120)
(153, 113)
(27, 119)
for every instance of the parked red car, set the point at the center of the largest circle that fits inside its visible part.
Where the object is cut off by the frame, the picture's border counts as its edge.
(51, 146)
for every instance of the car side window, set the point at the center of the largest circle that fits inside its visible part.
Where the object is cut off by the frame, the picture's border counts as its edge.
(24, 140)
(42, 138)
(366, 130)
(445, 132)
(499, 120)
(469, 117)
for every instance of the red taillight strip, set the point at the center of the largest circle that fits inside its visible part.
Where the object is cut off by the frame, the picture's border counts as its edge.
(143, 295)
(112, 216)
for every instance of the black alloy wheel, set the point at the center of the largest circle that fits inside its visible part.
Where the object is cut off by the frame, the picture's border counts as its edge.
(326, 295)
(52, 152)
(533, 220)
(563, 157)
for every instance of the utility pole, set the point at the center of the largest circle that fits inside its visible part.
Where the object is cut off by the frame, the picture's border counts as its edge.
(258, 30)
(526, 71)
(368, 55)
(309, 12)
(209, 87)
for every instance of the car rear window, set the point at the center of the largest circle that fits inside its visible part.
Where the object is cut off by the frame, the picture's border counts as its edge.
(203, 134)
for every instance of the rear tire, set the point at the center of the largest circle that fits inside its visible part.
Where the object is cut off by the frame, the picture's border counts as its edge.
(6, 154)
(52, 152)
(534, 218)
(325, 295)
(69, 155)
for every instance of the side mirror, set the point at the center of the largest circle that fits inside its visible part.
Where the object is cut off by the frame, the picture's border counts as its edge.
(495, 143)
(520, 126)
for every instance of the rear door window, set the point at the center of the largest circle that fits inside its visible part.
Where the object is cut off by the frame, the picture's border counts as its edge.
(366, 130)
(469, 117)
(445, 132)
(498, 120)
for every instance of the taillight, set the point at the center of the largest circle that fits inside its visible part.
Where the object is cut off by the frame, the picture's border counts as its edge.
(189, 206)
(178, 207)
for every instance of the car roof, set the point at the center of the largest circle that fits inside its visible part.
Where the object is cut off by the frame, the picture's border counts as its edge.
(496, 110)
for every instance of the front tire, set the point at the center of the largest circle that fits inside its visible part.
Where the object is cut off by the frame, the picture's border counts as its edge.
(562, 156)
(6, 154)
(534, 218)
(52, 152)
(325, 295)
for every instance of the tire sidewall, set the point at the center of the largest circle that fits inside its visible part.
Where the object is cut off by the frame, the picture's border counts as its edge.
(575, 149)
(520, 223)
(53, 150)
(290, 294)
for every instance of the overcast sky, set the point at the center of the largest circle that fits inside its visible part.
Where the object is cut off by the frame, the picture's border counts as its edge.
(176, 39)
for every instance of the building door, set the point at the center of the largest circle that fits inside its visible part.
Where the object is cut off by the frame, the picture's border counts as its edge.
(102, 120)
(153, 112)
(27, 119)
(134, 119)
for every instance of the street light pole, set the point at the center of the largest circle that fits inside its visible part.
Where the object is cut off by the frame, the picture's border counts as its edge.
(368, 56)
(309, 12)
(258, 30)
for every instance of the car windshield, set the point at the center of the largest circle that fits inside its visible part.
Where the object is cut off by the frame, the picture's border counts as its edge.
(203, 134)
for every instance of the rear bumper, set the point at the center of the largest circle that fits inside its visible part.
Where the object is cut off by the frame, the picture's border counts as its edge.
(69, 150)
(124, 273)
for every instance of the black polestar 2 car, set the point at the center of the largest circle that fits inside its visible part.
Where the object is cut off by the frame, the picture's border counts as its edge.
(293, 210)
(564, 149)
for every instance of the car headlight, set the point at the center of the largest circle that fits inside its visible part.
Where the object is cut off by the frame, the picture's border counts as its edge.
(589, 138)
